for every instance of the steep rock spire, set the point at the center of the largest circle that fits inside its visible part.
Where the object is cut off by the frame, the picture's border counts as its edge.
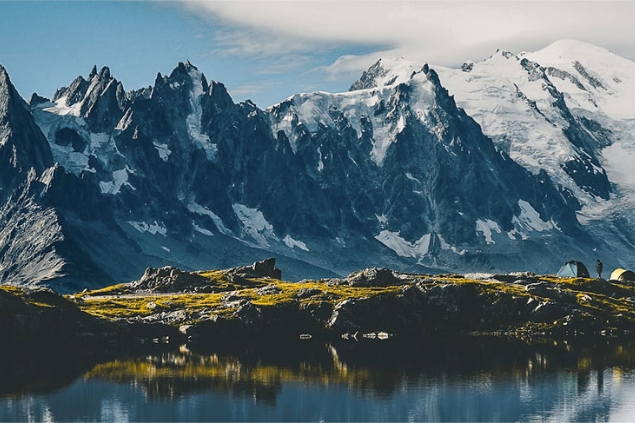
(22, 145)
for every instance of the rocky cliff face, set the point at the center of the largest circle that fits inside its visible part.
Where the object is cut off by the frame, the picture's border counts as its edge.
(420, 177)
(407, 170)
(22, 145)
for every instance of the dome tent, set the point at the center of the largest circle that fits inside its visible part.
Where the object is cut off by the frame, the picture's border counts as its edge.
(573, 269)
(622, 275)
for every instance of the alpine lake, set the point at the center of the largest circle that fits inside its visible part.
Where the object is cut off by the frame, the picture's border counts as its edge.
(484, 378)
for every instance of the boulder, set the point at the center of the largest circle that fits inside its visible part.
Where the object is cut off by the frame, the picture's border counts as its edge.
(170, 279)
(260, 269)
(373, 277)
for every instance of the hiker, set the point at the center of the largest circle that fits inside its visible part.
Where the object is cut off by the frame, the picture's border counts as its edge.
(598, 267)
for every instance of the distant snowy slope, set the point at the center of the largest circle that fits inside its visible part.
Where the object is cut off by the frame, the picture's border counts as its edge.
(523, 111)
(599, 86)
(593, 78)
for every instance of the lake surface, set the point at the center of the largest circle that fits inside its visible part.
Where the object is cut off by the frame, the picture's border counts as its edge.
(474, 379)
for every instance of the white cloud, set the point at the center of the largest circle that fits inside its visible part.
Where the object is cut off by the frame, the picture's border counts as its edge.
(439, 32)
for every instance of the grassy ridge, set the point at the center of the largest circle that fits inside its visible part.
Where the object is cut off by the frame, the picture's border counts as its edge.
(471, 304)
(371, 300)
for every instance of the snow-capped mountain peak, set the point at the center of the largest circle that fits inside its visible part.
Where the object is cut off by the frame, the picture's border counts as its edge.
(503, 164)
(528, 108)
(385, 72)
(595, 79)
(396, 93)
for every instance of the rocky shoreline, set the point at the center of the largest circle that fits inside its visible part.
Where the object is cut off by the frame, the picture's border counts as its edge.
(171, 306)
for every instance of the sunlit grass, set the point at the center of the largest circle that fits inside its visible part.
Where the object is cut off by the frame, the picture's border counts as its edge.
(115, 302)
(609, 302)
(144, 305)
(265, 293)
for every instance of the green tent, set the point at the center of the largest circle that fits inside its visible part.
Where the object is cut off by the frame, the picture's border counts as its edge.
(573, 269)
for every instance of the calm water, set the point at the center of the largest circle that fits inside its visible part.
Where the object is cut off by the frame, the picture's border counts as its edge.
(467, 380)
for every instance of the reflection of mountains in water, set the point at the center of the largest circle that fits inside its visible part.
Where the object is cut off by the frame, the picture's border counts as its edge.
(376, 369)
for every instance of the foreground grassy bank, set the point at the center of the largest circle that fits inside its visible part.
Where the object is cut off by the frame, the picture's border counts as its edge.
(169, 305)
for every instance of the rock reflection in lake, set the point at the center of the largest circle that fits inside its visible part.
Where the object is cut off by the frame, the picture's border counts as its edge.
(471, 379)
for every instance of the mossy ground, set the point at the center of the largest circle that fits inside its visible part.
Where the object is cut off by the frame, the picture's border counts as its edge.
(20, 298)
(118, 301)
(609, 303)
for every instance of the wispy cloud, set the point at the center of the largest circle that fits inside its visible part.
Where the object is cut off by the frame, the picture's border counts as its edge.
(249, 90)
(440, 32)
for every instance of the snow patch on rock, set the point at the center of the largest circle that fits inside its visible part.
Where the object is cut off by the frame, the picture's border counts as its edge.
(203, 211)
(486, 227)
(529, 219)
(403, 248)
(202, 230)
(255, 225)
(193, 120)
(163, 150)
(291, 243)
(120, 178)
(152, 228)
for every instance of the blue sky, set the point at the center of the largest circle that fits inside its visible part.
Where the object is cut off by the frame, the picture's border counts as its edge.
(269, 50)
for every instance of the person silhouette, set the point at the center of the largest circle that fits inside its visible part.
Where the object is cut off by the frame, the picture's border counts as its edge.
(598, 267)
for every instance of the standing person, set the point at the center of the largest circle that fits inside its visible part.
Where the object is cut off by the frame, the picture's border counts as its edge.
(598, 267)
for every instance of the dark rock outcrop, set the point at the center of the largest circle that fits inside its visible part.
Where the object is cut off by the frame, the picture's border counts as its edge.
(373, 303)
(260, 269)
(383, 301)
(170, 279)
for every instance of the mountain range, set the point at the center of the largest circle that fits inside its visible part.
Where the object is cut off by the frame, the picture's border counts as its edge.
(516, 163)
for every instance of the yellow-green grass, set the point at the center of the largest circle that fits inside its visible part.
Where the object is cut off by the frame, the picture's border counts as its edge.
(486, 286)
(120, 288)
(114, 306)
(19, 293)
(144, 305)
(15, 290)
(289, 292)
(113, 303)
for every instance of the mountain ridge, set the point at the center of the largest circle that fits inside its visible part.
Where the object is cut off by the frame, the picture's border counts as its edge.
(406, 170)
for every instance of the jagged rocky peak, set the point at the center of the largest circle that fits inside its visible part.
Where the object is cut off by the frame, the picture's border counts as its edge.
(187, 74)
(37, 99)
(101, 99)
(185, 84)
(97, 84)
(23, 147)
(385, 72)
(4, 91)
(4, 78)
(8, 95)
(188, 89)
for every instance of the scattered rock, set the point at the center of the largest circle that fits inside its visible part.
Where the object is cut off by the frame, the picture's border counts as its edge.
(170, 279)
(308, 292)
(373, 277)
(268, 290)
(260, 269)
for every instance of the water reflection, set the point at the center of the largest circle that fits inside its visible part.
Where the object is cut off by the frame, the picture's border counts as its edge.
(462, 380)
